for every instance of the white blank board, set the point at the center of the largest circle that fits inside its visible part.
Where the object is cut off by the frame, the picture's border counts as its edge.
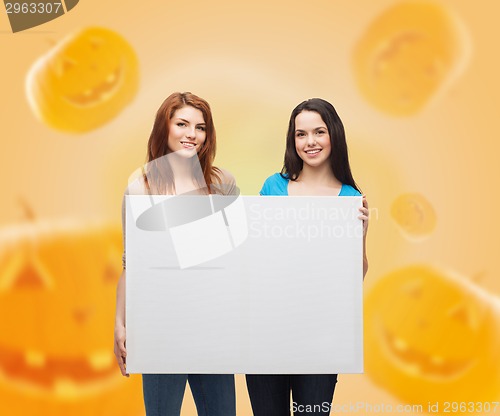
(257, 285)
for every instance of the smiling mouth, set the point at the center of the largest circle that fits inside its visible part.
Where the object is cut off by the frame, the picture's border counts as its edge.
(188, 145)
(65, 377)
(101, 92)
(420, 363)
(313, 151)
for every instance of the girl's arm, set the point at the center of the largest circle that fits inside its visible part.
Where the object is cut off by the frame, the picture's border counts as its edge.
(120, 332)
(365, 259)
(364, 216)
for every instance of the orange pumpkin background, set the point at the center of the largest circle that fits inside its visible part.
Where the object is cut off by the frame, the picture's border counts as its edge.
(57, 283)
(433, 337)
(84, 81)
(416, 85)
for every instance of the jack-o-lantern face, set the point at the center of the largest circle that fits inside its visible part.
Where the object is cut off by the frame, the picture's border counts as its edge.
(57, 289)
(430, 336)
(407, 54)
(414, 216)
(84, 81)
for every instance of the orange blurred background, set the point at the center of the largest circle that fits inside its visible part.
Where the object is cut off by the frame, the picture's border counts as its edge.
(417, 95)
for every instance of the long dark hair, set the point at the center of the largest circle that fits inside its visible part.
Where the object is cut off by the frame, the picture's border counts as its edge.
(339, 158)
(161, 173)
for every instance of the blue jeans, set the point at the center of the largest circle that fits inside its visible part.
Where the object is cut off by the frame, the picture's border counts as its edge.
(213, 394)
(311, 393)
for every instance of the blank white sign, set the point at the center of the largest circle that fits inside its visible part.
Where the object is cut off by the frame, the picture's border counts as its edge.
(244, 285)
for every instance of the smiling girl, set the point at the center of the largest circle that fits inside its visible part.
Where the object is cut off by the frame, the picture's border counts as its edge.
(316, 163)
(180, 153)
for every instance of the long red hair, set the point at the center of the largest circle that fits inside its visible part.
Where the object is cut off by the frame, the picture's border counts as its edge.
(157, 143)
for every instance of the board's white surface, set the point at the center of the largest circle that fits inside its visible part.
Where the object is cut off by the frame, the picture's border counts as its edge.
(264, 285)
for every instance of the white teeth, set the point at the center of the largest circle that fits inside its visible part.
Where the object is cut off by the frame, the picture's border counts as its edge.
(399, 344)
(66, 388)
(34, 358)
(111, 78)
(413, 369)
(188, 144)
(312, 152)
(435, 359)
(101, 360)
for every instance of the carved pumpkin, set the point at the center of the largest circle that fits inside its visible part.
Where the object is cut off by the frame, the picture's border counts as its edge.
(84, 81)
(57, 291)
(430, 336)
(414, 216)
(407, 54)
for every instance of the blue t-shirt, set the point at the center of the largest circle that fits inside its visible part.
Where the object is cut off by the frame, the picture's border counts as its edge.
(278, 185)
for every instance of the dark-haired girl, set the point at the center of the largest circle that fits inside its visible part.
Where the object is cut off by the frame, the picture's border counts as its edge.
(316, 163)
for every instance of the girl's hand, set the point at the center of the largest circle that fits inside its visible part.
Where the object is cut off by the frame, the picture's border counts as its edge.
(364, 215)
(120, 351)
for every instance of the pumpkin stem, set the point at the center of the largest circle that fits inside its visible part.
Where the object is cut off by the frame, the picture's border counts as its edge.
(52, 42)
(29, 214)
(478, 277)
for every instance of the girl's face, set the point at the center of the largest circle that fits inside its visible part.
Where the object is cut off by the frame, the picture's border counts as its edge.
(312, 140)
(186, 131)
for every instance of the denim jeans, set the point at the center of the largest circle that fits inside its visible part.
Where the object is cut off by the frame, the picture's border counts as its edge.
(214, 394)
(311, 394)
